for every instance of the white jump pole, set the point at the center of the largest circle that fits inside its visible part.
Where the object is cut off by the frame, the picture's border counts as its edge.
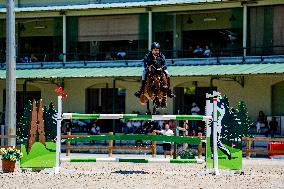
(215, 148)
(211, 110)
(58, 136)
(208, 112)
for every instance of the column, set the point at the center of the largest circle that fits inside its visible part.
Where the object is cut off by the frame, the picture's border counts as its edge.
(244, 29)
(64, 38)
(150, 32)
(10, 113)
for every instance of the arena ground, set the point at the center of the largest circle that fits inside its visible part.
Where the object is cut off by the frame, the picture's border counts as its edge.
(258, 173)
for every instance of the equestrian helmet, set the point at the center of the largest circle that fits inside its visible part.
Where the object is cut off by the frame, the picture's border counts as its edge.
(155, 45)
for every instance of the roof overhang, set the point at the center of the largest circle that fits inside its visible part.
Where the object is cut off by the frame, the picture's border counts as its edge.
(110, 5)
(124, 72)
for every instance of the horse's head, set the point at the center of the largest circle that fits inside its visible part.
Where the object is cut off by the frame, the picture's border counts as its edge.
(157, 67)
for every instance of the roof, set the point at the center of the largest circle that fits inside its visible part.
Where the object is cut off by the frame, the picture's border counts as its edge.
(175, 71)
(109, 5)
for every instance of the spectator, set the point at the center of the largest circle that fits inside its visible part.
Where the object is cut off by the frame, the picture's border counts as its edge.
(207, 52)
(273, 124)
(66, 126)
(261, 121)
(95, 130)
(148, 125)
(34, 58)
(60, 57)
(160, 123)
(121, 55)
(172, 124)
(167, 147)
(136, 124)
(129, 127)
(195, 110)
(108, 57)
(25, 59)
(139, 130)
(122, 126)
(197, 52)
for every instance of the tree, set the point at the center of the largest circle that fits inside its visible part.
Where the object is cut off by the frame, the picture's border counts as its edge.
(50, 122)
(244, 120)
(24, 122)
(229, 124)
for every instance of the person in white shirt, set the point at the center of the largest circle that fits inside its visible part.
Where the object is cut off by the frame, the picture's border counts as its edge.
(95, 130)
(207, 52)
(167, 146)
(136, 124)
(129, 126)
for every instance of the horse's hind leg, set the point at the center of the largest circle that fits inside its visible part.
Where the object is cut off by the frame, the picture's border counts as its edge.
(154, 110)
(156, 102)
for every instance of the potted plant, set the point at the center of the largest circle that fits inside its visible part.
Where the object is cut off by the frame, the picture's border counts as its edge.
(9, 158)
(187, 154)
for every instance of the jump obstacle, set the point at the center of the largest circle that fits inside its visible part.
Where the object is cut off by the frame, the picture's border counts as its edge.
(208, 118)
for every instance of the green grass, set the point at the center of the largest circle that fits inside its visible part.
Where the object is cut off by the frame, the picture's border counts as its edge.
(40, 156)
(223, 162)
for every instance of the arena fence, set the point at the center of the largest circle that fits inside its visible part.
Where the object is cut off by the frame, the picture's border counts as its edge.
(249, 141)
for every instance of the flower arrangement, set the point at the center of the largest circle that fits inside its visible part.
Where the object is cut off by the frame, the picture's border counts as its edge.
(11, 154)
(187, 154)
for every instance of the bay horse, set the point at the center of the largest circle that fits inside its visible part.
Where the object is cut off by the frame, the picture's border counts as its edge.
(156, 87)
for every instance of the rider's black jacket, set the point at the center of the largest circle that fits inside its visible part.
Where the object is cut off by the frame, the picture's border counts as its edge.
(149, 59)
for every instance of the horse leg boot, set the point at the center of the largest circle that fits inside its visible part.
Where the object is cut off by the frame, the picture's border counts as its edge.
(141, 90)
(169, 91)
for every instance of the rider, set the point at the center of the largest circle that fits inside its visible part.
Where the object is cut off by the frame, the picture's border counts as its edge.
(149, 59)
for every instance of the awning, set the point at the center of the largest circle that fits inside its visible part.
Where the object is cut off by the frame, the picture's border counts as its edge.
(175, 71)
(110, 5)
(108, 28)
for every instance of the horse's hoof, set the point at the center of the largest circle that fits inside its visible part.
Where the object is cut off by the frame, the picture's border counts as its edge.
(171, 95)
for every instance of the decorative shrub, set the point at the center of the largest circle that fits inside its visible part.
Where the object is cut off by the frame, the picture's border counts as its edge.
(187, 154)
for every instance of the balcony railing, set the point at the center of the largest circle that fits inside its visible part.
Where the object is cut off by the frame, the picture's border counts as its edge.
(170, 62)
(255, 55)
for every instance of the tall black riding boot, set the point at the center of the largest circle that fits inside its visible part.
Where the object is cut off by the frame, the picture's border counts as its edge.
(169, 91)
(141, 90)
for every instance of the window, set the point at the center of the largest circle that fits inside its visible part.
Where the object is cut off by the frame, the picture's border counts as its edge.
(100, 100)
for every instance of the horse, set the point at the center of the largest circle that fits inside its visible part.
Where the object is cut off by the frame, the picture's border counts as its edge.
(156, 87)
